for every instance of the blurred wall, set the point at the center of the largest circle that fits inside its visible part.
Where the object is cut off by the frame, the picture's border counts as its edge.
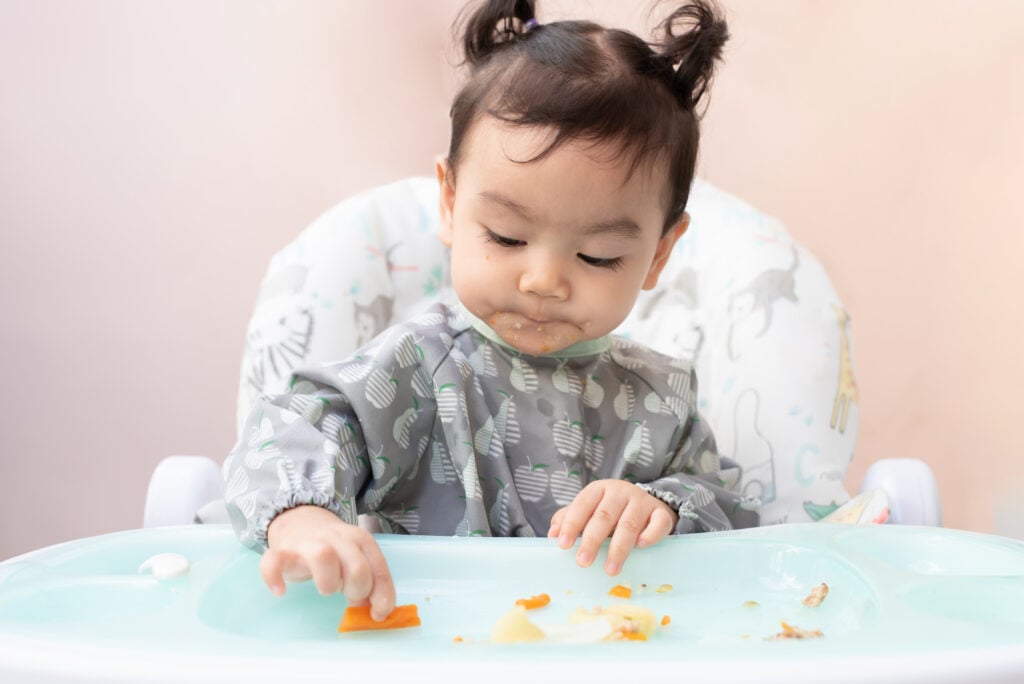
(153, 155)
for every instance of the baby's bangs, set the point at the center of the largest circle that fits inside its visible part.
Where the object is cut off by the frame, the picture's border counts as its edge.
(602, 106)
(586, 83)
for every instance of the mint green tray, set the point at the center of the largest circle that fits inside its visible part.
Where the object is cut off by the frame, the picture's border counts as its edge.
(906, 604)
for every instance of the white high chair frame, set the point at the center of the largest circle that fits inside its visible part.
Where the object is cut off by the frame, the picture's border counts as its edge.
(753, 309)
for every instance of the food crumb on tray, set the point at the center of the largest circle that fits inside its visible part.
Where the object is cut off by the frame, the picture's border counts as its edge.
(792, 632)
(816, 596)
(534, 602)
(621, 591)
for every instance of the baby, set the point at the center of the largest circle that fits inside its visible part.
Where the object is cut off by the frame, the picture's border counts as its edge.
(516, 412)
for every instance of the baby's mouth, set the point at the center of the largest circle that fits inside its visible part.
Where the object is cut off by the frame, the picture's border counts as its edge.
(519, 321)
(534, 335)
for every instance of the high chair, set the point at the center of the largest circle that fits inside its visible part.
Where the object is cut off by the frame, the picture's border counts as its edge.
(752, 308)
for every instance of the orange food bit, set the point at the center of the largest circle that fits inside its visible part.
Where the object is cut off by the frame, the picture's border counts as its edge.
(357, 618)
(665, 620)
(538, 601)
(620, 591)
(633, 636)
(458, 640)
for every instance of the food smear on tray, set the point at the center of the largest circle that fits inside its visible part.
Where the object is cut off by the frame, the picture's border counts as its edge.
(618, 622)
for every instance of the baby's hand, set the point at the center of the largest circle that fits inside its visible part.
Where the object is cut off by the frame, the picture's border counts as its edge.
(615, 508)
(309, 542)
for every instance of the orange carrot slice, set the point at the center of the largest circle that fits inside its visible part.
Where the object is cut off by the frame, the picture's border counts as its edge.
(665, 620)
(538, 601)
(357, 618)
(620, 591)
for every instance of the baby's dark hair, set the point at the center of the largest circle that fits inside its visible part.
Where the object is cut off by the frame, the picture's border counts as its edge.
(590, 83)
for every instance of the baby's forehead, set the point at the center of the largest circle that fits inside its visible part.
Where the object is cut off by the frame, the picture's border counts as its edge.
(502, 152)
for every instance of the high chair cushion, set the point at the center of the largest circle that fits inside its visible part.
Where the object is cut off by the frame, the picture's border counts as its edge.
(752, 308)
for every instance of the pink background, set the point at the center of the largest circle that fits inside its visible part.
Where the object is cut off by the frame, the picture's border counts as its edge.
(153, 155)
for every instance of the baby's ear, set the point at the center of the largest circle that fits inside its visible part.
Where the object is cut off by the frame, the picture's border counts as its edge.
(447, 204)
(664, 251)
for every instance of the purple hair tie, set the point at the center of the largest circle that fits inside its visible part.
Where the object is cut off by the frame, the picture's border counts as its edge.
(530, 25)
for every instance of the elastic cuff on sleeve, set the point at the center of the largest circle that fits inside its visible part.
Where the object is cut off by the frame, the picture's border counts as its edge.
(286, 501)
(673, 500)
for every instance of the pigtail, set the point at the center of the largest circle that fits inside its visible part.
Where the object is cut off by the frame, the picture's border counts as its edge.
(493, 25)
(692, 54)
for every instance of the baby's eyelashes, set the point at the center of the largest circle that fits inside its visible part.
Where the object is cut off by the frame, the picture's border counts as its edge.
(491, 236)
(612, 263)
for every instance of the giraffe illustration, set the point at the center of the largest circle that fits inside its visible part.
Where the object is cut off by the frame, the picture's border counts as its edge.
(846, 392)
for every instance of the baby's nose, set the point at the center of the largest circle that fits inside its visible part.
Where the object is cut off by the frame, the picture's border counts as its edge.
(544, 278)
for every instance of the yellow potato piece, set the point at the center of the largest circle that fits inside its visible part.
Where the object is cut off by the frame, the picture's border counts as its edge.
(515, 626)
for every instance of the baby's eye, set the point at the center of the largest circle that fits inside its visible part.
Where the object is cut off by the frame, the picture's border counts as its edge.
(613, 263)
(491, 236)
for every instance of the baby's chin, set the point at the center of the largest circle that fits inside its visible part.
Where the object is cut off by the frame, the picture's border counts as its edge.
(534, 338)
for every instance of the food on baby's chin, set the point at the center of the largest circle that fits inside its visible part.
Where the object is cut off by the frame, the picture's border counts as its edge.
(816, 596)
(358, 618)
(791, 632)
(538, 601)
(514, 626)
(621, 591)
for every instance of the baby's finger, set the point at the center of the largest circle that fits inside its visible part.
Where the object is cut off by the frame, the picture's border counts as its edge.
(599, 527)
(382, 594)
(660, 525)
(576, 515)
(356, 579)
(631, 523)
(272, 571)
(325, 567)
(556, 523)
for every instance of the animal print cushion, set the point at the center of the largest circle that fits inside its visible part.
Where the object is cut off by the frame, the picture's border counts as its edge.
(753, 309)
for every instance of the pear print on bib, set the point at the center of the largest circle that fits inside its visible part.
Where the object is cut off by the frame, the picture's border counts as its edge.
(381, 388)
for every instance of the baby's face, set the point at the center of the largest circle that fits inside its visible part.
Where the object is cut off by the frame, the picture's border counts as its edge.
(555, 251)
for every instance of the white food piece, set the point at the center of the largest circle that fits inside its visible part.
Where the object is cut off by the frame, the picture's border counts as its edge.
(166, 565)
(589, 632)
